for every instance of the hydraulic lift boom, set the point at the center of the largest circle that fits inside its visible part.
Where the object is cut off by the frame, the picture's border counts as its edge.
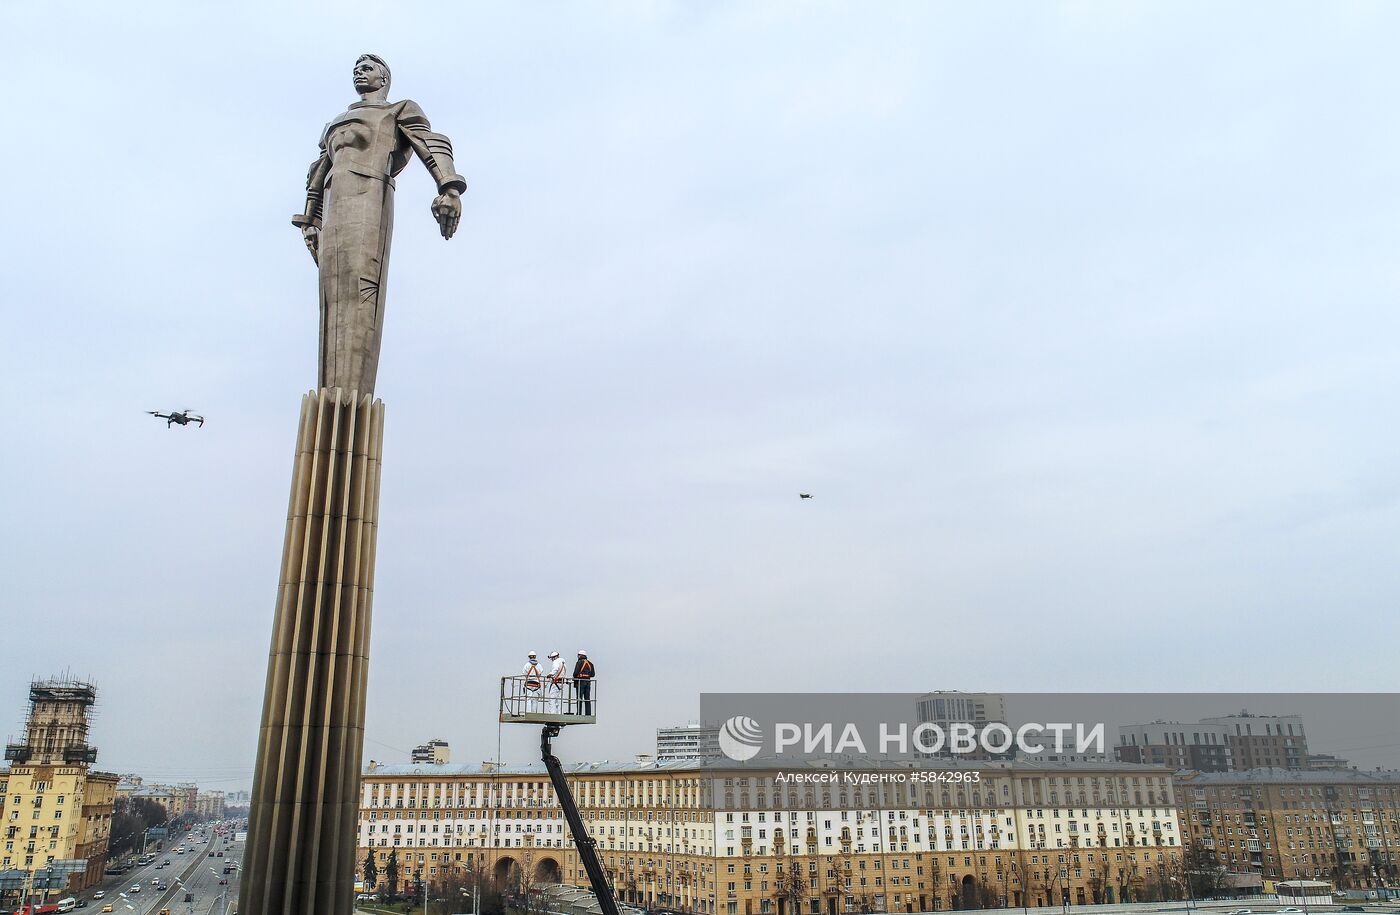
(582, 840)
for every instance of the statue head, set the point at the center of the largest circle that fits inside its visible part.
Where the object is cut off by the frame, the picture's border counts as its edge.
(371, 75)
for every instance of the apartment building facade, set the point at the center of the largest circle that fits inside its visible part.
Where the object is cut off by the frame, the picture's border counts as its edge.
(436, 752)
(1341, 826)
(1264, 741)
(55, 811)
(687, 741)
(749, 840)
(1177, 745)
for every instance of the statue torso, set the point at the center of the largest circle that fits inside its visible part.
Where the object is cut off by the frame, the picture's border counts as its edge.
(366, 140)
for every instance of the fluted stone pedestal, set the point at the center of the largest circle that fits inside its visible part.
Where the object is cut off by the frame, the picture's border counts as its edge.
(300, 857)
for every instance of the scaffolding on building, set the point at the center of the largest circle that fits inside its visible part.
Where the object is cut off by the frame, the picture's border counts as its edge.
(56, 726)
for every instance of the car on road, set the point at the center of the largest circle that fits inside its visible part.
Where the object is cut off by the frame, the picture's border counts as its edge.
(1291, 910)
(107, 907)
(99, 894)
(1351, 908)
(1240, 912)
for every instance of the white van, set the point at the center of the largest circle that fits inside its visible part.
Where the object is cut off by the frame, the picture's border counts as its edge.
(67, 905)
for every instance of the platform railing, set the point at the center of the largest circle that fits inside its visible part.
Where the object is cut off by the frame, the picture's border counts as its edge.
(540, 700)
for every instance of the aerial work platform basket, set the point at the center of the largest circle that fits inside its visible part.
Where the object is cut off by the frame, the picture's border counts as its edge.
(537, 700)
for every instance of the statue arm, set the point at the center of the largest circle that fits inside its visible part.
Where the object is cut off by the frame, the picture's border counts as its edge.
(309, 219)
(434, 149)
(436, 152)
(315, 192)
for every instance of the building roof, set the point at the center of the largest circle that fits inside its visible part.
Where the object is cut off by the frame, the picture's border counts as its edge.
(152, 792)
(1276, 776)
(756, 766)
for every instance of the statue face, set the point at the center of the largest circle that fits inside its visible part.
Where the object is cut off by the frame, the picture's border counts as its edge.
(369, 77)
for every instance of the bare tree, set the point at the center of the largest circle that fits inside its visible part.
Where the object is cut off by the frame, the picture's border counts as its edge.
(1098, 885)
(790, 889)
(526, 880)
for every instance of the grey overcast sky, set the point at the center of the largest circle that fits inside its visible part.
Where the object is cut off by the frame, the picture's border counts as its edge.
(1078, 320)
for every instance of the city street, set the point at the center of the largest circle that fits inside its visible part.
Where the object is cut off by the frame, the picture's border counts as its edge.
(195, 870)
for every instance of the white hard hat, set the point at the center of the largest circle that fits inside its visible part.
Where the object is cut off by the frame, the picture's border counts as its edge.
(582, 652)
(554, 654)
(532, 654)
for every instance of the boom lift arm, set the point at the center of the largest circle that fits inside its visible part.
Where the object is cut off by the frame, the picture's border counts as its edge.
(582, 840)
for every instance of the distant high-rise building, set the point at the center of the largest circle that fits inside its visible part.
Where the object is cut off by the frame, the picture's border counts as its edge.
(1227, 743)
(1179, 745)
(50, 782)
(687, 741)
(1265, 741)
(946, 708)
(435, 752)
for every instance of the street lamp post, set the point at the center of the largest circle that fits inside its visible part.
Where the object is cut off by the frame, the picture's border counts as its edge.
(48, 882)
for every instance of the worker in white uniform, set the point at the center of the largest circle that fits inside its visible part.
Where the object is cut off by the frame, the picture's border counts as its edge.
(554, 685)
(533, 682)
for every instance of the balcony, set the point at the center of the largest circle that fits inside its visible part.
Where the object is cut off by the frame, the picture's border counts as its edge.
(18, 752)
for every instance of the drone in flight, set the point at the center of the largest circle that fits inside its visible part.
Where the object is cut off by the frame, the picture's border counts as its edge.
(178, 418)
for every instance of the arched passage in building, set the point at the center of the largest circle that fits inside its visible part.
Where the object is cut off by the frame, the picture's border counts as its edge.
(506, 873)
(967, 898)
(547, 870)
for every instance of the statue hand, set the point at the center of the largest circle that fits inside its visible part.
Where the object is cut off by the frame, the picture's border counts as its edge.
(312, 236)
(447, 210)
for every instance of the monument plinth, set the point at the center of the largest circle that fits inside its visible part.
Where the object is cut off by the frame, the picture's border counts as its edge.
(305, 804)
(300, 858)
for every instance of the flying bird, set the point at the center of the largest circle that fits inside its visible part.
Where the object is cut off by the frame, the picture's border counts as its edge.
(178, 418)
(804, 495)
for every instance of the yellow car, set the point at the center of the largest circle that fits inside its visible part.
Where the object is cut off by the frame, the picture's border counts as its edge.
(164, 912)
(107, 907)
